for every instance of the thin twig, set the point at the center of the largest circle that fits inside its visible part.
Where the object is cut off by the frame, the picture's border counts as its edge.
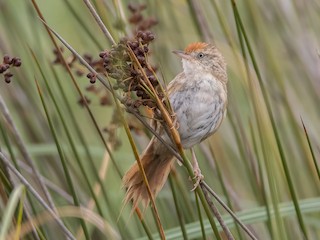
(24, 152)
(48, 183)
(208, 153)
(199, 19)
(118, 3)
(80, 58)
(28, 217)
(144, 176)
(217, 215)
(157, 135)
(101, 79)
(36, 195)
(206, 186)
(27, 203)
(99, 21)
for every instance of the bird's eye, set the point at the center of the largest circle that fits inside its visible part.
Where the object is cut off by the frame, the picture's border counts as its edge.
(200, 55)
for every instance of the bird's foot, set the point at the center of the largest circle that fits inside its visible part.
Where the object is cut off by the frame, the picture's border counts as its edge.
(198, 177)
(175, 122)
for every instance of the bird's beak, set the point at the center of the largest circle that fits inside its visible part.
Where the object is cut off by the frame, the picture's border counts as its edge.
(182, 54)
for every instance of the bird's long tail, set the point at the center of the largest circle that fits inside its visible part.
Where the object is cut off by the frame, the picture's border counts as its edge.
(157, 161)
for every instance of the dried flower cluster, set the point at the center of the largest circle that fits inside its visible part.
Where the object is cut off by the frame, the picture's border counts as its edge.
(116, 62)
(137, 18)
(6, 64)
(126, 62)
(74, 64)
(128, 70)
(71, 61)
(84, 101)
(97, 64)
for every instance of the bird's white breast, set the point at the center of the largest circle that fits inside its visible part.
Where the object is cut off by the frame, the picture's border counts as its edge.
(199, 106)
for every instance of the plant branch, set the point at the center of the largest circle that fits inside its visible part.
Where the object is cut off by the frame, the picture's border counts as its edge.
(101, 79)
(217, 215)
(24, 151)
(99, 21)
(37, 196)
(206, 186)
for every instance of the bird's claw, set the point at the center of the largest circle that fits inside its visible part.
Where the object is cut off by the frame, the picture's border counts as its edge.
(175, 123)
(198, 177)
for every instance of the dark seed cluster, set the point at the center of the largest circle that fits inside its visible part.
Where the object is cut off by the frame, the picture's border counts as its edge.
(6, 64)
(58, 59)
(111, 130)
(104, 96)
(73, 63)
(92, 77)
(84, 101)
(138, 19)
(126, 62)
(97, 64)
(124, 68)
(119, 64)
(77, 67)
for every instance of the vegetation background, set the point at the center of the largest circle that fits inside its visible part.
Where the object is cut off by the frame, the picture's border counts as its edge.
(262, 162)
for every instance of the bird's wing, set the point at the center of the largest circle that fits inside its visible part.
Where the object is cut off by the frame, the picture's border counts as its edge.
(175, 83)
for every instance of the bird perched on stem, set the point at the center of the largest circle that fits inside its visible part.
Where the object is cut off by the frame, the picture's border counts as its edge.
(198, 97)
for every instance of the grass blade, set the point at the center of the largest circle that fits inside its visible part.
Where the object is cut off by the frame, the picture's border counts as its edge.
(311, 149)
(63, 161)
(8, 216)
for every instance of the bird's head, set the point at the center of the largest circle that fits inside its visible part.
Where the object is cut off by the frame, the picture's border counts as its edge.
(202, 57)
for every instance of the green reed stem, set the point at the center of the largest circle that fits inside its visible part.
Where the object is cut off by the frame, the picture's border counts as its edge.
(63, 162)
(275, 130)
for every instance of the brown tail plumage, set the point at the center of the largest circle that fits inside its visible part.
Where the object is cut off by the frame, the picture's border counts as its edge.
(157, 161)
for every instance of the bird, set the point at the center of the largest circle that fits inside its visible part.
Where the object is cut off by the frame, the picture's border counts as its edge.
(198, 97)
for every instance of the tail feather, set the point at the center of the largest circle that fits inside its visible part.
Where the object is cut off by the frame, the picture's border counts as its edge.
(157, 161)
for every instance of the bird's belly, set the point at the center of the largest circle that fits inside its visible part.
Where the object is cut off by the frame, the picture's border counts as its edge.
(199, 114)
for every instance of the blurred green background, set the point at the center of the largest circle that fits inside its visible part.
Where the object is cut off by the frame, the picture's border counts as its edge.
(259, 162)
